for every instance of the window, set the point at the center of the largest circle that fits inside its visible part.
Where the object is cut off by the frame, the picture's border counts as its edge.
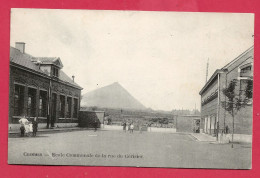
(55, 71)
(43, 104)
(246, 91)
(62, 106)
(18, 100)
(246, 69)
(75, 108)
(31, 102)
(69, 99)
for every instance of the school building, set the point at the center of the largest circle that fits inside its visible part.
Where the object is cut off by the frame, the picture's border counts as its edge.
(214, 118)
(39, 88)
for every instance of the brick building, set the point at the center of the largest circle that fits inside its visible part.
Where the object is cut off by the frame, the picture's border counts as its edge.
(214, 118)
(39, 88)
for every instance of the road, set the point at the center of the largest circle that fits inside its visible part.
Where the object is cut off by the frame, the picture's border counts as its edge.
(117, 148)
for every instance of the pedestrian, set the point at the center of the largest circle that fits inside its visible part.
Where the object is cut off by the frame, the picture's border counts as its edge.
(27, 128)
(140, 128)
(124, 126)
(22, 122)
(128, 126)
(34, 126)
(95, 125)
(30, 133)
(227, 129)
(132, 128)
(22, 129)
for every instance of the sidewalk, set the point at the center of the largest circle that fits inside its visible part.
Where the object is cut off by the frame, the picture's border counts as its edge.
(203, 137)
(53, 130)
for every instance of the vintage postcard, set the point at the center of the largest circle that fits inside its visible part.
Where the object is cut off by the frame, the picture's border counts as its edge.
(131, 88)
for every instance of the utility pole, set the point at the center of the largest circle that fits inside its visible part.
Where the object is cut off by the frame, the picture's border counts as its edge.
(207, 70)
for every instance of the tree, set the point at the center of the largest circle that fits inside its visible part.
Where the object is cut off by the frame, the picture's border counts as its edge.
(235, 101)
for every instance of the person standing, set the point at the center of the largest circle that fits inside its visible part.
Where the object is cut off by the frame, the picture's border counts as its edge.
(27, 128)
(124, 126)
(34, 126)
(95, 124)
(132, 128)
(22, 122)
(128, 126)
(140, 128)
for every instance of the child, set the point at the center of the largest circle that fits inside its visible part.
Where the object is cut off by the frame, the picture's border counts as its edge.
(27, 129)
(22, 130)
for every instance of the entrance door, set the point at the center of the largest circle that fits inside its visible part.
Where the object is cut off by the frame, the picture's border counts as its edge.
(53, 108)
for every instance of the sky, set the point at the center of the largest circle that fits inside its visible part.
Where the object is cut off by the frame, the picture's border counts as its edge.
(159, 57)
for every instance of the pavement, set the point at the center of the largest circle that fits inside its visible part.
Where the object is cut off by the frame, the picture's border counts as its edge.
(118, 148)
(203, 137)
(196, 136)
(16, 133)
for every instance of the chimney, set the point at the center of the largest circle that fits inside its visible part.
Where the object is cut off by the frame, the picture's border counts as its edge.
(73, 77)
(20, 46)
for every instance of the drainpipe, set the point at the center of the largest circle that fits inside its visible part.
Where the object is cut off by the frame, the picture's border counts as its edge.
(225, 102)
(218, 106)
(49, 106)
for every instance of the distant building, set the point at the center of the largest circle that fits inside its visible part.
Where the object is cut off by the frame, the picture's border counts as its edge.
(214, 118)
(39, 88)
(188, 123)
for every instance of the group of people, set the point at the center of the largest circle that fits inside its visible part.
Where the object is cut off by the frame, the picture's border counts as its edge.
(27, 127)
(130, 127)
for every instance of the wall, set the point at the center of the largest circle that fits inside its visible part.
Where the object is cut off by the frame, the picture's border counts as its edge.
(243, 119)
(28, 79)
(88, 118)
(185, 123)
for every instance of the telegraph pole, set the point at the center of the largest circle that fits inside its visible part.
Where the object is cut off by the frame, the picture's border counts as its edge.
(207, 70)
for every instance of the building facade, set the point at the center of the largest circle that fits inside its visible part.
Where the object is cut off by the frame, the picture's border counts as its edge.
(214, 118)
(39, 88)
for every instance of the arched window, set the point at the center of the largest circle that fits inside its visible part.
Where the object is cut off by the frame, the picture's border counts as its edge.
(246, 70)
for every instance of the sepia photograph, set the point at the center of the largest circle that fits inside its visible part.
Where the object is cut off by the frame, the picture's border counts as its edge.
(131, 88)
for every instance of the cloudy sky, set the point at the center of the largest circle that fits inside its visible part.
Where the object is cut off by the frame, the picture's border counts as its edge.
(159, 57)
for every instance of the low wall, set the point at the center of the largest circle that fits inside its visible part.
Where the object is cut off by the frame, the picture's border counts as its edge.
(240, 138)
(113, 127)
(91, 118)
(66, 125)
(165, 130)
(149, 129)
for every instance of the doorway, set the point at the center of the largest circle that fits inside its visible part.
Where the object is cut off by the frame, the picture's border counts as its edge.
(53, 108)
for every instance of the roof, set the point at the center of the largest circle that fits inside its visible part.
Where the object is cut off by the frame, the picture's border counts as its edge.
(49, 60)
(64, 77)
(210, 80)
(23, 59)
(238, 57)
(27, 61)
(223, 69)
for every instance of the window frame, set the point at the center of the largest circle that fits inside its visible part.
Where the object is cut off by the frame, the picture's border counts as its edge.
(19, 103)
